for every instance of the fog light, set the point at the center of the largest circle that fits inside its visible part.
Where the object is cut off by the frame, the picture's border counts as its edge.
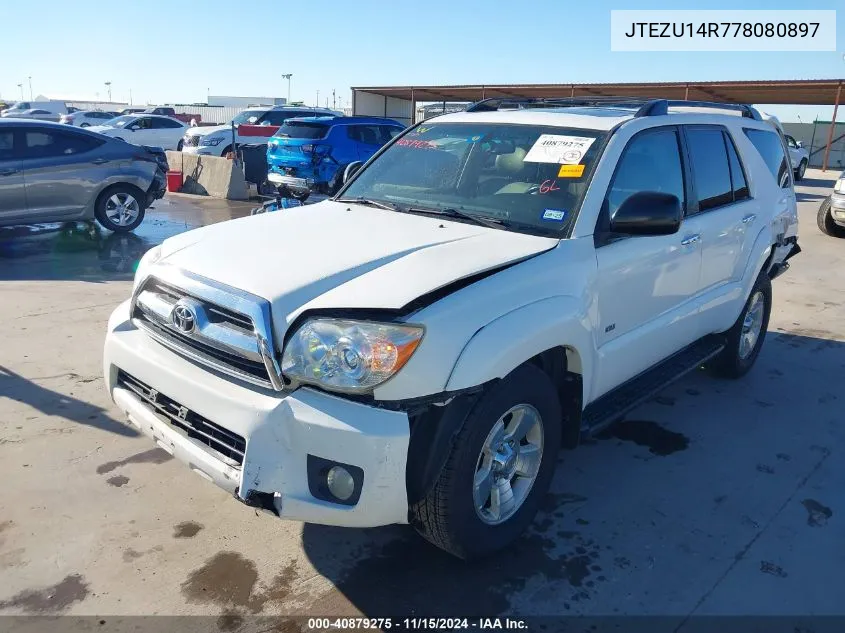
(340, 482)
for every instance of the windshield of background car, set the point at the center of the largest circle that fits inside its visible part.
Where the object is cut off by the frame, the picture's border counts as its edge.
(120, 121)
(248, 117)
(302, 129)
(531, 177)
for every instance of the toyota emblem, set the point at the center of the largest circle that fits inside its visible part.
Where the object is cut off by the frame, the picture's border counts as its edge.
(183, 318)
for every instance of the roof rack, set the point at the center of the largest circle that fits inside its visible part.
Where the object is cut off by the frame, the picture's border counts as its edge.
(642, 106)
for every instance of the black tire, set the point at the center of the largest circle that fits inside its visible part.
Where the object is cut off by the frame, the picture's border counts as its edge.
(825, 220)
(179, 146)
(226, 151)
(101, 210)
(447, 516)
(337, 181)
(84, 125)
(730, 363)
(799, 173)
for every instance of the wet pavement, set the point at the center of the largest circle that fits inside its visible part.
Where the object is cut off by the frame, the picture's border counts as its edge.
(716, 497)
(86, 251)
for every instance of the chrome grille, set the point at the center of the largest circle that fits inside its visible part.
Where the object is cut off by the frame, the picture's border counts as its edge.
(191, 140)
(225, 443)
(219, 336)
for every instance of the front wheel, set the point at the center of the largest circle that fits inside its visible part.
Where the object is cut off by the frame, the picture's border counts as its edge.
(179, 146)
(745, 339)
(499, 468)
(824, 219)
(120, 208)
(802, 168)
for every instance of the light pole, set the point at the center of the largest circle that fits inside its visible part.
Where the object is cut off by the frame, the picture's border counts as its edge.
(21, 87)
(288, 76)
(30, 87)
(318, 99)
(108, 87)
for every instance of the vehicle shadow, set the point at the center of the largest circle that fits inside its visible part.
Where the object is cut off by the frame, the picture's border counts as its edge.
(615, 503)
(49, 402)
(823, 183)
(71, 250)
(804, 197)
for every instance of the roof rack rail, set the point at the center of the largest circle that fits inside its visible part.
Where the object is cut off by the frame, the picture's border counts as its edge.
(643, 106)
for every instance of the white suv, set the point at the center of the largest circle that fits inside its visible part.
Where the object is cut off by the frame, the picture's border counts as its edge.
(490, 286)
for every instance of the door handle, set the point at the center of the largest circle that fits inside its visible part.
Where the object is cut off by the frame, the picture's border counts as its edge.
(748, 219)
(8, 172)
(690, 239)
(100, 161)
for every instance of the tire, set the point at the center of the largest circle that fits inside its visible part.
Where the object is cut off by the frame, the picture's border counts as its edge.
(448, 516)
(825, 220)
(84, 125)
(225, 151)
(337, 181)
(738, 356)
(108, 202)
(802, 168)
(179, 146)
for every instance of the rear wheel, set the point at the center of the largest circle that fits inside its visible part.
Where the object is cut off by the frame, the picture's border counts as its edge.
(84, 125)
(745, 338)
(824, 219)
(120, 208)
(499, 469)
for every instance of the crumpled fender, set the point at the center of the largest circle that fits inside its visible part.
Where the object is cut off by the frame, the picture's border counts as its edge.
(510, 340)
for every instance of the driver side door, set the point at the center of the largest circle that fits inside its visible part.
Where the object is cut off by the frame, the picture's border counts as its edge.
(646, 285)
(142, 132)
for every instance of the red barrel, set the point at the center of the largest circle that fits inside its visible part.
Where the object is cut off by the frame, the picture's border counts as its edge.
(174, 180)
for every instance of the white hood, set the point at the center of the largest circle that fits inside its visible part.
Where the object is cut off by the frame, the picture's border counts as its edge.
(206, 130)
(339, 255)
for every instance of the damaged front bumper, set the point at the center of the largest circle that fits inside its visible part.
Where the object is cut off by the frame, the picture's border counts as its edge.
(269, 449)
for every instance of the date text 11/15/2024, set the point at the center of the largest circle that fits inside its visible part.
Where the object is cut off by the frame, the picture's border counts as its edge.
(416, 624)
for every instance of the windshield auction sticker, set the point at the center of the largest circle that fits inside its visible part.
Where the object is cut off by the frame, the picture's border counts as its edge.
(559, 149)
(718, 30)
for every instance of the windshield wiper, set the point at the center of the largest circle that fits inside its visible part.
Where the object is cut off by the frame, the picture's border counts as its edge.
(389, 206)
(491, 223)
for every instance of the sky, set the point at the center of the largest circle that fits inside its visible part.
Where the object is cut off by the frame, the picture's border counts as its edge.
(177, 51)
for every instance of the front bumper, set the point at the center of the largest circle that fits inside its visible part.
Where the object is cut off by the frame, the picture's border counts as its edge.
(837, 208)
(204, 150)
(281, 431)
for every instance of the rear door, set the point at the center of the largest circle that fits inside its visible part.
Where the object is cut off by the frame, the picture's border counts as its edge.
(166, 132)
(62, 170)
(12, 187)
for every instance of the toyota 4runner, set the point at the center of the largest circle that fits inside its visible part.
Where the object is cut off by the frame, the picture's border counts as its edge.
(491, 286)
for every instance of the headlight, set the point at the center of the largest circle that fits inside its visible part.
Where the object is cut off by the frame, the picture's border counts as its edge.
(349, 356)
(205, 142)
(149, 258)
(839, 187)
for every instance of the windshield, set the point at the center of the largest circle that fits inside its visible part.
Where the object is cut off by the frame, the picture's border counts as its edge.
(300, 129)
(532, 178)
(120, 121)
(249, 117)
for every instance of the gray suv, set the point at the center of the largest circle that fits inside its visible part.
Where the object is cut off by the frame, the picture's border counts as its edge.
(54, 173)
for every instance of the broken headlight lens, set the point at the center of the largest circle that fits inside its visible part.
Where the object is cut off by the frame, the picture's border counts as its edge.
(349, 356)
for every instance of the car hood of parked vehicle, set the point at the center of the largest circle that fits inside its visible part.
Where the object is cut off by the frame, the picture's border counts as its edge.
(206, 130)
(341, 255)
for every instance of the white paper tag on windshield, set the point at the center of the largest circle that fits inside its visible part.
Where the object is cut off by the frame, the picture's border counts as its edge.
(559, 149)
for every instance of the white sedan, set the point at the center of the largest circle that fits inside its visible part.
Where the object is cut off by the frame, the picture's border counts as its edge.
(145, 129)
(87, 118)
(35, 113)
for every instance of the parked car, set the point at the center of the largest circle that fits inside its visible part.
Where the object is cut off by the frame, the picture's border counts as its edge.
(799, 158)
(87, 118)
(130, 111)
(167, 111)
(36, 113)
(56, 107)
(253, 125)
(831, 214)
(145, 129)
(313, 152)
(491, 285)
(51, 173)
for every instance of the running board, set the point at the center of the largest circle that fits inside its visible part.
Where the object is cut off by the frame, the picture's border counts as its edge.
(615, 404)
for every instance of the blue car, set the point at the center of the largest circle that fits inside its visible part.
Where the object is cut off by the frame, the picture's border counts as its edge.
(310, 153)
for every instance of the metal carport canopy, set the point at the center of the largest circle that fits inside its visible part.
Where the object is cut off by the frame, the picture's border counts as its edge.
(793, 92)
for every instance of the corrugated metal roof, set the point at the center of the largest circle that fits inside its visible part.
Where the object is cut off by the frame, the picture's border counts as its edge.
(792, 91)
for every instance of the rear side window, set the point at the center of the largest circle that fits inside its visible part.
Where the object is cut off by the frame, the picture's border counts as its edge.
(372, 134)
(52, 144)
(651, 162)
(7, 145)
(710, 169)
(738, 181)
(277, 117)
(769, 145)
(301, 129)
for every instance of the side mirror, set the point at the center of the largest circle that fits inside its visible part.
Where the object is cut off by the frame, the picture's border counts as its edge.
(648, 213)
(351, 170)
(799, 143)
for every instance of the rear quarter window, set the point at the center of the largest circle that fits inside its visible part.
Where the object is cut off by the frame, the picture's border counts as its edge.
(769, 146)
